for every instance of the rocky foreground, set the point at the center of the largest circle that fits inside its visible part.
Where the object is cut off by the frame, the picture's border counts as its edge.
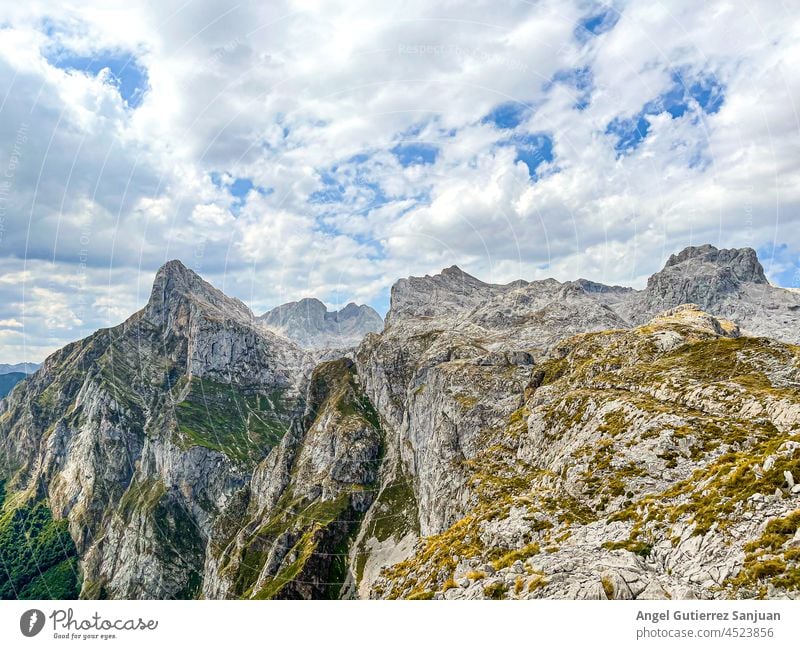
(530, 440)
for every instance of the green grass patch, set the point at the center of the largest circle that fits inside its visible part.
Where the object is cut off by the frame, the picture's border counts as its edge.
(226, 419)
(521, 554)
(32, 545)
(641, 548)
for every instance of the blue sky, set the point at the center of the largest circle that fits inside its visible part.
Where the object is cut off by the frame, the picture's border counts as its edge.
(596, 22)
(327, 149)
(695, 94)
(123, 71)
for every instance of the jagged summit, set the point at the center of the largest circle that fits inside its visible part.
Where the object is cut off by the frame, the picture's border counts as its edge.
(446, 293)
(350, 310)
(742, 262)
(308, 323)
(174, 275)
(728, 283)
(701, 274)
(456, 272)
(724, 282)
(174, 284)
(596, 287)
(173, 267)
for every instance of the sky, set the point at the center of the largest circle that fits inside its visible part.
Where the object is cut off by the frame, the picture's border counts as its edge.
(326, 149)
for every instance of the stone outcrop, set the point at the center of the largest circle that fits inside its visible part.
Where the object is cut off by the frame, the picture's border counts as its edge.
(727, 283)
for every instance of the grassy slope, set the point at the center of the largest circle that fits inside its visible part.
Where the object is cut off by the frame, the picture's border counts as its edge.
(224, 418)
(37, 556)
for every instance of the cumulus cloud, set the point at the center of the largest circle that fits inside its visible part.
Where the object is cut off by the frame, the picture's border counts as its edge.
(325, 149)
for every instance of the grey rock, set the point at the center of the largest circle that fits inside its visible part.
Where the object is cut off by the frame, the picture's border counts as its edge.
(725, 283)
(309, 324)
(653, 590)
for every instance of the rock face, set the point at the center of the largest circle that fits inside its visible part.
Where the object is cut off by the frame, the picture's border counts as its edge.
(287, 535)
(309, 324)
(535, 439)
(640, 463)
(138, 436)
(728, 283)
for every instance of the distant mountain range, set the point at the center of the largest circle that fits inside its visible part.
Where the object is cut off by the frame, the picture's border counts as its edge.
(529, 440)
(310, 324)
(8, 381)
(10, 375)
(24, 368)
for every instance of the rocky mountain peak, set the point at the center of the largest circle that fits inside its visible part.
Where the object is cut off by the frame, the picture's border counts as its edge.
(449, 292)
(350, 310)
(311, 303)
(455, 272)
(308, 323)
(590, 286)
(704, 275)
(175, 284)
(742, 263)
(174, 268)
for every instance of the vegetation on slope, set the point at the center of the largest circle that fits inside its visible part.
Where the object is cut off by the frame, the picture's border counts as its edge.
(225, 418)
(669, 427)
(305, 536)
(37, 556)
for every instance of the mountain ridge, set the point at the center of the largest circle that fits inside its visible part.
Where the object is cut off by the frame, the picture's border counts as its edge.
(25, 368)
(718, 280)
(309, 324)
(492, 441)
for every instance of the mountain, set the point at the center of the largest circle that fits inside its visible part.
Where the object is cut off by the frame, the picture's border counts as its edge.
(653, 462)
(309, 324)
(727, 283)
(134, 439)
(24, 368)
(9, 380)
(526, 440)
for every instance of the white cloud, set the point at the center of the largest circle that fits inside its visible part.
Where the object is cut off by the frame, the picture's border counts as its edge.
(305, 97)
